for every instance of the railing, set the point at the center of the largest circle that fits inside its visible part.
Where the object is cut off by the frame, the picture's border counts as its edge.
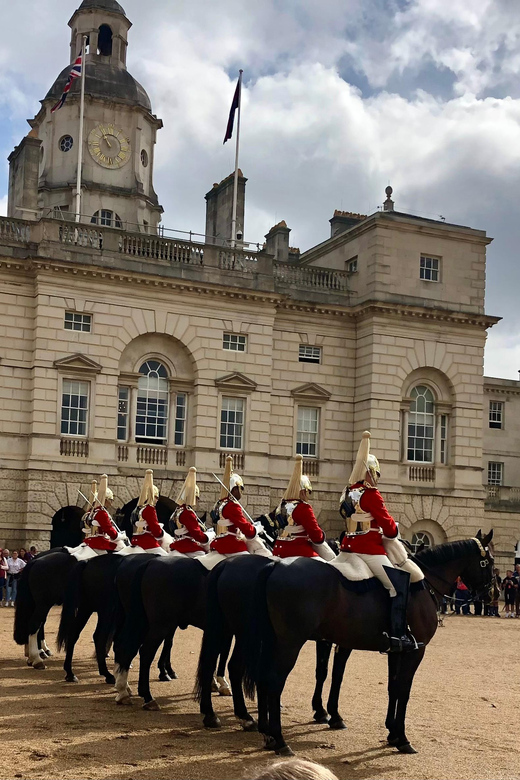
(310, 277)
(311, 467)
(180, 457)
(503, 493)
(154, 456)
(15, 230)
(77, 448)
(238, 460)
(122, 452)
(79, 235)
(157, 248)
(237, 260)
(421, 473)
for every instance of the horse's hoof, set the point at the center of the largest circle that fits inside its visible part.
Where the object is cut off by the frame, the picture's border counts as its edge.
(71, 678)
(211, 722)
(163, 677)
(110, 679)
(249, 725)
(151, 706)
(393, 741)
(223, 691)
(406, 748)
(125, 701)
(39, 665)
(321, 717)
(284, 751)
(337, 725)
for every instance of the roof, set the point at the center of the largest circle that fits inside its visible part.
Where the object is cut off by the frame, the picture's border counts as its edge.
(103, 5)
(105, 81)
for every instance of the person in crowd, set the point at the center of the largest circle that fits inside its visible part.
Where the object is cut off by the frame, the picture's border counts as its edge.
(3, 576)
(462, 598)
(516, 575)
(295, 769)
(510, 587)
(33, 551)
(14, 568)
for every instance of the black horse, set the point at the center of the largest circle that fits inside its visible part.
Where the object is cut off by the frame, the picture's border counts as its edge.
(307, 600)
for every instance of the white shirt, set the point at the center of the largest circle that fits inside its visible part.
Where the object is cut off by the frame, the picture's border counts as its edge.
(15, 566)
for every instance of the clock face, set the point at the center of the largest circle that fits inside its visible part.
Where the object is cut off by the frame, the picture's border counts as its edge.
(109, 146)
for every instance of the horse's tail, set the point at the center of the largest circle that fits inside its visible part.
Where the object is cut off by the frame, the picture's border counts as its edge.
(214, 634)
(70, 607)
(260, 632)
(131, 624)
(25, 605)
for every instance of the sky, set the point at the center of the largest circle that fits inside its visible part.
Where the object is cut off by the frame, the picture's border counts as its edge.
(341, 98)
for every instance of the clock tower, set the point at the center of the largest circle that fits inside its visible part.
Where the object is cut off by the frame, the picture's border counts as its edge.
(119, 131)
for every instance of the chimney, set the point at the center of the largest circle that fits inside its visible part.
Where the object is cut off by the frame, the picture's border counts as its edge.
(344, 220)
(219, 211)
(24, 171)
(277, 242)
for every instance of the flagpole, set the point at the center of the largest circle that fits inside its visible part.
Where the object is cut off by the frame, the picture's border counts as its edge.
(81, 122)
(235, 182)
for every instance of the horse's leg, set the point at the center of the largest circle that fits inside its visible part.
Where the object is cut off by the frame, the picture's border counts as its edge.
(45, 651)
(394, 660)
(263, 713)
(278, 669)
(102, 640)
(236, 670)
(341, 657)
(207, 664)
(37, 620)
(80, 622)
(405, 671)
(166, 673)
(222, 684)
(147, 652)
(323, 649)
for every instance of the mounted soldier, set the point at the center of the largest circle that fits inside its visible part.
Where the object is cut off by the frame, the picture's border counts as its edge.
(302, 535)
(190, 538)
(101, 535)
(371, 532)
(234, 530)
(148, 534)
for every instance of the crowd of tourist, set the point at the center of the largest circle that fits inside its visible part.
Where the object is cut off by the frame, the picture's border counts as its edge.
(461, 599)
(11, 566)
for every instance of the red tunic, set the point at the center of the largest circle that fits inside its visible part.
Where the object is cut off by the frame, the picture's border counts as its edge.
(149, 539)
(228, 543)
(194, 540)
(300, 543)
(103, 540)
(382, 523)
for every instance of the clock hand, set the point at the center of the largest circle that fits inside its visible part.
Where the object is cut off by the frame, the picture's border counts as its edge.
(106, 139)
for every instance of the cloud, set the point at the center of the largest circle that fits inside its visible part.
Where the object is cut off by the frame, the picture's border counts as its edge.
(340, 99)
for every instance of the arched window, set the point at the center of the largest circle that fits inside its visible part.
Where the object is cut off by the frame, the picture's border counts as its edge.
(421, 538)
(107, 218)
(426, 427)
(151, 423)
(105, 40)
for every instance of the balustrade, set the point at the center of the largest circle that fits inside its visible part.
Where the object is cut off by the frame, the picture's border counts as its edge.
(156, 248)
(74, 448)
(15, 230)
(310, 277)
(238, 460)
(421, 473)
(153, 456)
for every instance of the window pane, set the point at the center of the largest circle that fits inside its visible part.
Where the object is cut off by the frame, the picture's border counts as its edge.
(232, 423)
(307, 354)
(151, 420)
(307, 431)
(234, 342)
(74, 408)
(495, 473)
(421, 422)
(180, 420)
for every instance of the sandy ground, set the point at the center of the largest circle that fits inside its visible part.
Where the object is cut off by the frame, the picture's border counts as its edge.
(462, 717)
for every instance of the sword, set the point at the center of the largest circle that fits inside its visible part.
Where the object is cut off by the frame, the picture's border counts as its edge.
(92, 505)
(232, 497)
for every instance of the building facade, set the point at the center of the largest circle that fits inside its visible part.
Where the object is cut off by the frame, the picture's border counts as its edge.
(122, 350)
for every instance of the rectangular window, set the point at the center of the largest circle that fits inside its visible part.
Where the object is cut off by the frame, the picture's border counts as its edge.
(352, 265)
(429, 269)
(76, 321)
(234, 342)
(495, 473)
(307, 432)
(180, 419)
(122, 413)
(444, 437)
(496, 414)
(309, 354)
(74, 408)
(232, 423)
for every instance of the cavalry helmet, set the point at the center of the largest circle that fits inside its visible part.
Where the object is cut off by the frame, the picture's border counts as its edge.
(299, 481)
(189, 490)
(365, 461)
(149, 492)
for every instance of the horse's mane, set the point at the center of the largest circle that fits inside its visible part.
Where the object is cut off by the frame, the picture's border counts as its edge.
(444, 553)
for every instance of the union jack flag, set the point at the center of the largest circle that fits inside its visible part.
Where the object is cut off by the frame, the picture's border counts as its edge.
(74, 74)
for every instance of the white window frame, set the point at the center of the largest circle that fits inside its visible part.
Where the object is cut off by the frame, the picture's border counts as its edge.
(421, 537)
(180, 420)
(495, 473)
(107, 218)
(430, 268)
(72, 382)
(309, 354)
(234, 342)
(123, 413)
(430, 423)
(352, 265)
(149, 393)
(224, 402)
(78, 321)
(306, 437)
(496, 415)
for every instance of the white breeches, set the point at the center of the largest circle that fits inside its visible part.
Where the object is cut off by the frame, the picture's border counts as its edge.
(376, 563)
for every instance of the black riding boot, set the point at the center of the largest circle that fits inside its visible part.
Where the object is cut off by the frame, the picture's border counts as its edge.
(401, 641)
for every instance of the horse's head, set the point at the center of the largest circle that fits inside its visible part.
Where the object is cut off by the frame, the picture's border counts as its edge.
(478, 574)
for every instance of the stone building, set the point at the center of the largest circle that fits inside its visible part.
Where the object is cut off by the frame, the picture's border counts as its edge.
(122, 350)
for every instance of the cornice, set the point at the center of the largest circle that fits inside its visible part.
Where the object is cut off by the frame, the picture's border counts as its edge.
(501, 390)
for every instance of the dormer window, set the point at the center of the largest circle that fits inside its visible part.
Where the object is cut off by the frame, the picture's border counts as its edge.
(105, 40)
